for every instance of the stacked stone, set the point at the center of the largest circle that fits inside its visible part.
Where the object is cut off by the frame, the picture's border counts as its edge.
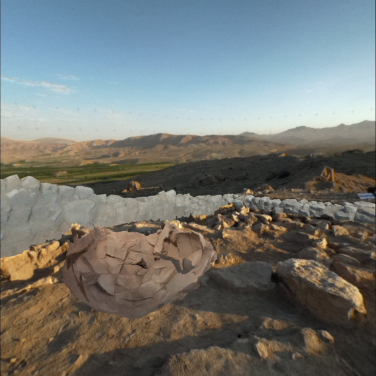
(33, 212)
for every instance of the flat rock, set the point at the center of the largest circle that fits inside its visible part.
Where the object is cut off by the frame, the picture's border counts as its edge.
(213, 361)
(363, 279)
(316, 254)
(346, 259)
(322, 292)
(251, 276)
(340, 231)
(357, 253)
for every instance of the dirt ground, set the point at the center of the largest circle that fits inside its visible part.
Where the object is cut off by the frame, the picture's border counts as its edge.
(355, 173)
(214, 331)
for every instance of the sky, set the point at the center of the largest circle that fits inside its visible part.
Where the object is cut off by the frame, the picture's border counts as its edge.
(89, 69)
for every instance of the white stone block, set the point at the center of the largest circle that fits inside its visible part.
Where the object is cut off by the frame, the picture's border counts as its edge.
(30, 183)
(82, 192)
(363, 204)
(12, 182)
(49, 188)
(79, 211)
(229, 198)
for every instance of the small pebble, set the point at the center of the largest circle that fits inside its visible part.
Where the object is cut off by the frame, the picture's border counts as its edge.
(296, 356)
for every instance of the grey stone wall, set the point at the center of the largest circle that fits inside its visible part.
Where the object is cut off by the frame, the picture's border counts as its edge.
(32, 212)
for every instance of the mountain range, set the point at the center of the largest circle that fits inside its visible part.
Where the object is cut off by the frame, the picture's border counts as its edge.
(164, 147)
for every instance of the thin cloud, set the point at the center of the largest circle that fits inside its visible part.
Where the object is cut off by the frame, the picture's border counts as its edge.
(56, 88)
(69, 77)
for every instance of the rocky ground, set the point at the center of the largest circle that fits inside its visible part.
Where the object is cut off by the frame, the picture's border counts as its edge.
(287, 295)
(290, 177)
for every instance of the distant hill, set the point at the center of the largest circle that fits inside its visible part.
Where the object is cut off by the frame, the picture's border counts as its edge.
(165, 147)
(363, 132)
(48, 140)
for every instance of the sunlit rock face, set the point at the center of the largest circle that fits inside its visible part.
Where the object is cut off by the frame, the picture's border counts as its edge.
(130, 274)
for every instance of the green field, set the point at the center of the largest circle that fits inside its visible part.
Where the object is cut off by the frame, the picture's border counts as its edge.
(91, 173)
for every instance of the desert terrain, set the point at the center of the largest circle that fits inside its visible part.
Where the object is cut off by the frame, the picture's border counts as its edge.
(288, 177)
(287, 295)
(163, 147)
(245, 318)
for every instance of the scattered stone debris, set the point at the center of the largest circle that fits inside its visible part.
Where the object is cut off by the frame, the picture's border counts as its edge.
(240, 320)
(132, 186)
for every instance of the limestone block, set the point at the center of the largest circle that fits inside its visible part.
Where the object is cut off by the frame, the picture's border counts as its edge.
(276, 202)
(217, 202)
(349, 209)
(321, 291)
(80, 211)
(363, 204)
(83, 192)
(12, 182)
(254, 203)
(370, 212)
(18, 215)
(304, 210)
(66, 193)
(181, 201)
(164, 202)
(13, 235)
(238, 204)
(113, 199)
(144, 211)
(126, 213)
(98, 198)
(364, 218)
(105, 215)
(21, 197)
(48, 188)
(265, 203)
(5, 210)
(41, 213)
(229, 197)
(248, 198)
(30, 183)
(171, 195)
(46, 234)
(316, 210)
(156, 210)
(289, 201)
(332, 210)
(293, 208)
(278, 209)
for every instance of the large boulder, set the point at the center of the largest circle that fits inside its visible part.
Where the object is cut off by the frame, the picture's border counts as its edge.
(324, 293)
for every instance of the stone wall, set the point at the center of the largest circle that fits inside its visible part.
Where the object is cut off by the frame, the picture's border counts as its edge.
(33, 212)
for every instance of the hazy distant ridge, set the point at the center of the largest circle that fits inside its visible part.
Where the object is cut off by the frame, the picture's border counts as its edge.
(363, 132)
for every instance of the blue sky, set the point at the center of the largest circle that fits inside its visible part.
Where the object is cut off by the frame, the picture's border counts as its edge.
(85, 69)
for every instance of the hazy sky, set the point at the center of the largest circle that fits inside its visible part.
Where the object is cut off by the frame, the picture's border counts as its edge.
(85, 69)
